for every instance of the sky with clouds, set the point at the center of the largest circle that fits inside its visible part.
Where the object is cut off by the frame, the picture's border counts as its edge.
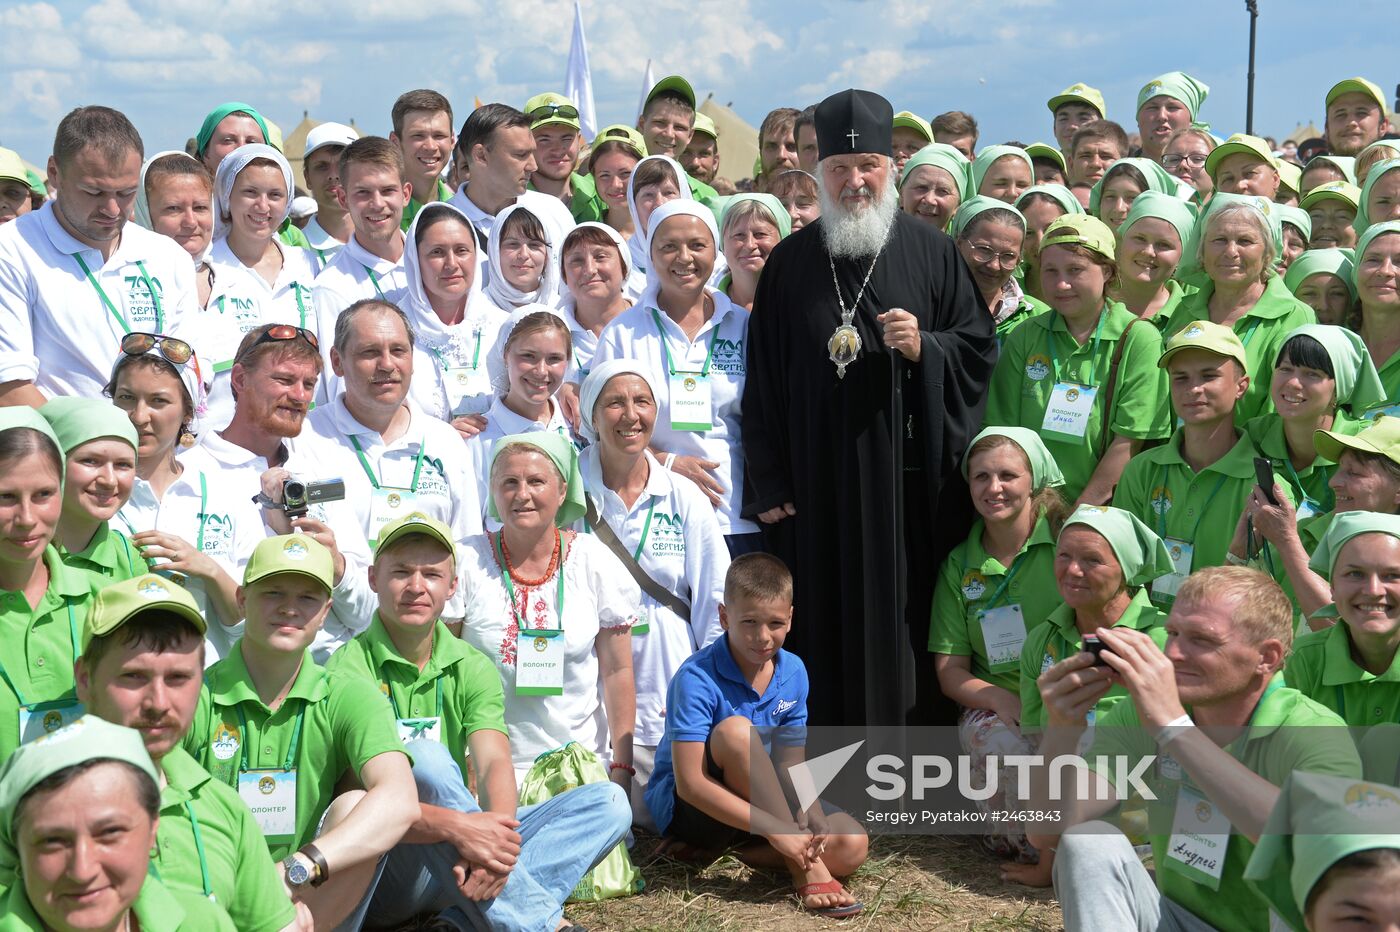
(167, 62)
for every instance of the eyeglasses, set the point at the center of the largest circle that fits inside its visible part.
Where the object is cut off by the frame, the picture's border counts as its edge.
(1195, 160)
(174, 350)
(986, 256)
(552, 111)
(280, 334)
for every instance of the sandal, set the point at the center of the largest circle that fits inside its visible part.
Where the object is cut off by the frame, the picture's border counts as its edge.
(831, 912)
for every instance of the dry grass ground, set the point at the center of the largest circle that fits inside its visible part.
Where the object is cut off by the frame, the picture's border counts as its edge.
(909, 882)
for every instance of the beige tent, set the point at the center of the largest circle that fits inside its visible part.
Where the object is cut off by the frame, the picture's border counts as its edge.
(738, 141)
(1304, 131)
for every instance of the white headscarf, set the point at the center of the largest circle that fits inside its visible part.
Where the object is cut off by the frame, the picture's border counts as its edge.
(502, 383)
(503, 293)
(235, 162)
(690, 208)
(640, 251)
(593, 387)
(426, 323)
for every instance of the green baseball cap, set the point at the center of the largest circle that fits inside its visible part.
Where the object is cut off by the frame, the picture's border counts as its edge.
(915, 122)
(1039, 150)
(1382, 436)
(675, 83)
(118, 603)
(416, 523)
(1240, 142)
(626, 135)
(1204, 335)
(1343, 191)
(703, 124)
(547, 108)
(1080, 230)
(1357, 86)
(291, 553)
(12, 167)
(1079, 94)
(36, 183)
(1290, 177)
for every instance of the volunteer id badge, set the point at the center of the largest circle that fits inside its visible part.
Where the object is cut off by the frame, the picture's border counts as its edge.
(539, 662)
(691, 407)
(468, 390)
(1199, 839)
(1068, 412)
(389, 504)
(1004, 634)
(272, 797)
(44, 718)
(412, 729)
(1165, 587)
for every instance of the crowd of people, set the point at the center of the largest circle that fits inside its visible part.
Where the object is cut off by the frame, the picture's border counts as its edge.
(336, 523)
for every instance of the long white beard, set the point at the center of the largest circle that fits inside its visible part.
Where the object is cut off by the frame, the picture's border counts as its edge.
(860, 233)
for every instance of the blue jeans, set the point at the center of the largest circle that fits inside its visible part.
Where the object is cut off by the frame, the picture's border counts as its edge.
(561, 839)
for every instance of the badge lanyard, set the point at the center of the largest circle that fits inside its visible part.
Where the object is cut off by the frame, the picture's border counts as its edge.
(288, 764)
(521, 624)
(72, 634)
(1005, 580)
(203, 510)
(199, 850)
(646, 529)
(364, 463)
(1162, 514)
(1094, 353)
(111, 308)
(301, 306)
(476, 354)
(666, 352)
(374, 280)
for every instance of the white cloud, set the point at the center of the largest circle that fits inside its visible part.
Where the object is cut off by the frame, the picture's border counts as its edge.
(41, 39)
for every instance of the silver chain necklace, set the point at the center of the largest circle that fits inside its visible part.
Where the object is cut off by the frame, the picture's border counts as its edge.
(844, 345)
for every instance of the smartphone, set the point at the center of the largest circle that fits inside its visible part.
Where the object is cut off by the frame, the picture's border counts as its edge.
(1094, 646)
(1264, 474)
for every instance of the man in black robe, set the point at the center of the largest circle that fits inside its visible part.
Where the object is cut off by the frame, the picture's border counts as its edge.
(856, 478)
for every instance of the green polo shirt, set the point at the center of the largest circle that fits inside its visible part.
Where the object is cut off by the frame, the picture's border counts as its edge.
(291, 234)
(1309, 483)
(1058, 638)
(1041, 351)
(40, 644)
(1202, 508)
(971, 582)
(346, 723)
(472, 696)
(1277, 743)
(410, 210)
(157, 908)
(1027, 308)
(1176, 293)
(1321, 667)
(110, 555)
(1262, 329)
(1390, 377)
(228, 854)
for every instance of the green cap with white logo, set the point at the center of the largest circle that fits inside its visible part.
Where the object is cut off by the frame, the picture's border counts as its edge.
(1204, 335)
(118, 603)
(1079, 94)
(291, 553)
(416, 523)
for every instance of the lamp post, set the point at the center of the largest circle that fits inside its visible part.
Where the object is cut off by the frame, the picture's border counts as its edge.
(1253, 7)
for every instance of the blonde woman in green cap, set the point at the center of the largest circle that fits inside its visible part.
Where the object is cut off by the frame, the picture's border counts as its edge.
(991, 235)
(1237, 244)
(1113, 195)
(750, 226)
(1057, 374)
(1002, 172)
(1352, 667)
(1325, 280)
(1382, 150)
(1380, 195)
(1151, 244)
(80, 812)
(1329, 858)
(1377, 279)
(992, 590)
(1333, 208)
(934, 182)
(1244, 165)
(1185, 157)
(1167, 103)
(1041, 205)
(99, 449)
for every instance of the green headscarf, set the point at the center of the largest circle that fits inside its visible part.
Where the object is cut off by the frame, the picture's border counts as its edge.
(941, 155)
(1155, 175)
(781, 218)
(76, 421)
(1358, 384)
(1161, 207)
(1044, 470)
(1331, 261)
(1178, 85)
(15, 416)
(1141, 553)
(1266, 208)
(87, 738)
(206, 129)
(972, 207)
(1317, 821)
(1343, 528)
(1057, 193)
(563, 454)
(1363, 216)
(1297, 216)
(1345, 164)
(1368, 236)
(987, 156)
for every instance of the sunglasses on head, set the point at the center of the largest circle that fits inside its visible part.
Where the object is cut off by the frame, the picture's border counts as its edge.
(281, 334)
(551, 111)
(174, 350)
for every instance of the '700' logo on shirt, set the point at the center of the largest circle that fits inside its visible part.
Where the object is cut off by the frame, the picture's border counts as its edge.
(729, 356)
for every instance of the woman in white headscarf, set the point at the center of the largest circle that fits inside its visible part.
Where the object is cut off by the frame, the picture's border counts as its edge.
(176, 199)
(523, 259)
(656, 180)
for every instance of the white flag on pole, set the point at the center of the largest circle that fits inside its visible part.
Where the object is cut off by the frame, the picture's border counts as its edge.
(578, 81)
(648, 82)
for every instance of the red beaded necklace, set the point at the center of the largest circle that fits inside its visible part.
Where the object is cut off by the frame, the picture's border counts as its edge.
(549, 570)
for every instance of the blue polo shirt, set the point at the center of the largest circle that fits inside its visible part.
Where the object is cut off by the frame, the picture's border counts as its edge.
(706, 690)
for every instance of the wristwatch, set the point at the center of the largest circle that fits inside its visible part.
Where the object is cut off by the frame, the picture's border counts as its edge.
(299, 875)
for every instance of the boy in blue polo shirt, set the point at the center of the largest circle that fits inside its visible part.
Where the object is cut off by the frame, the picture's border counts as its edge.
(726, 699)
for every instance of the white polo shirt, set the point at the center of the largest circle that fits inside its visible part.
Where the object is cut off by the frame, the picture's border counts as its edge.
(637, 334)
(203, 508)
(56, 328)
(502, 422)
(672, 532)
(355, 274)
(468, 355)
(323, 246)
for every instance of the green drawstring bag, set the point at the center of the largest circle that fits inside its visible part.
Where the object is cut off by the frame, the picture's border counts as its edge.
(559, 771)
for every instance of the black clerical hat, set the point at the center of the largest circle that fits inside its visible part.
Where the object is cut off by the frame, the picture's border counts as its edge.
(854, 121)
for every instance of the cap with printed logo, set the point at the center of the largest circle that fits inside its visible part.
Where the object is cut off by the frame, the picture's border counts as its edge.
(547, 108)
(674, 83)
(915, 122)
(416, 523)
(1079, 94)
(703, 124)
(291, 553)
(1343, 191)
(1240, 142)
(119, 602)
(329, 134)
(1357, 86)
(1204, 335)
